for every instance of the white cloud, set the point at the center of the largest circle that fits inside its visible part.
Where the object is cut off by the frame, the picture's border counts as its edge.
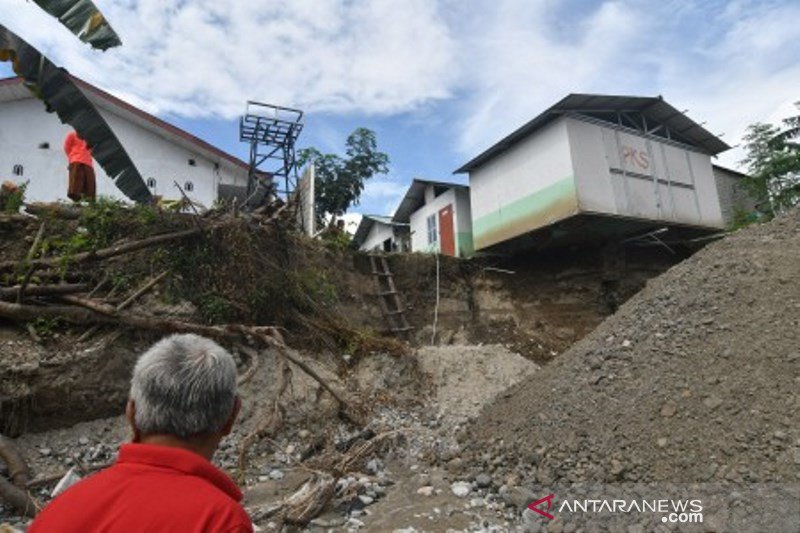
(500, 61)
(731, 65)
(382, 195)
(207, 57)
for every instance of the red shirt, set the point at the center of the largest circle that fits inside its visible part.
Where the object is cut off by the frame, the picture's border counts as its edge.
(77, 150)
(149, 488)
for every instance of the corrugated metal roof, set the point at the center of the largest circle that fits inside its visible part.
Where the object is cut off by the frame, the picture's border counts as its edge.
(653, 107)
(415, 197)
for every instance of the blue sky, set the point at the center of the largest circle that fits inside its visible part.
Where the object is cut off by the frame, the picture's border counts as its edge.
(438, 81)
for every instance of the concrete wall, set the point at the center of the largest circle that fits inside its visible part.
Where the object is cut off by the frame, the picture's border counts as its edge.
(462, 221)
(377, 234)
(620, 173)
(733, 197)
(526, 187)
(24, 125)
(418, 220)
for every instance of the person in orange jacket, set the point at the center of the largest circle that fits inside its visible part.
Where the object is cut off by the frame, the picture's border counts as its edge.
(82, 185)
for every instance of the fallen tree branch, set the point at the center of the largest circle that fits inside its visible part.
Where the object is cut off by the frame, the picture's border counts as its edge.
(313, 496)
(45, 290)
(15, 494)
(248, 374)
(18, 499)
(17, 468)
(105, 253)
(103, 314)
(271, 421)
(127, 302)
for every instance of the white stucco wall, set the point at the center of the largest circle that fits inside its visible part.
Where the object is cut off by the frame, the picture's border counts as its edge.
(621, 173)
(377, 234)
(462, 221)
(24, 125)
(526, 187)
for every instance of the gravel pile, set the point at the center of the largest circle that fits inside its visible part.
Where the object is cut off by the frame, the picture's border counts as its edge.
(695, 379)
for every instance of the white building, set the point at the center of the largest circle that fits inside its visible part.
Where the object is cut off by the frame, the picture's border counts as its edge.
(377, 233)
(439, 217)
(595, 167)
(31, 149)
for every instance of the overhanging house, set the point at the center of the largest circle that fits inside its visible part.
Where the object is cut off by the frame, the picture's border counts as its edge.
(595, 167)
(439, 217)
(31, 150)
(377, 233)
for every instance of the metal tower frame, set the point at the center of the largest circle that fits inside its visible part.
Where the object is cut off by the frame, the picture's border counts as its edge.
(271, 132)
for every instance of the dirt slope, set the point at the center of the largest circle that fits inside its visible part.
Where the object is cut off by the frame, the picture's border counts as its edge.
(695, 379)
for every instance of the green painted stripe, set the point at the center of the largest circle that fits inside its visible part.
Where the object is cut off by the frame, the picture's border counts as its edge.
(464, 245)
(524, 207)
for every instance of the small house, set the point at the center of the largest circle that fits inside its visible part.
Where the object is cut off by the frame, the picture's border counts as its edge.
(438, 216)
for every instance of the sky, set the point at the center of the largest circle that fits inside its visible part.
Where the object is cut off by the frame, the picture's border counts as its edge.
(437, 80)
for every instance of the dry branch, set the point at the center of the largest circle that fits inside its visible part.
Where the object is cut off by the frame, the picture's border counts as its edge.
(255, 359)
(45, 290)
(127, 302)
(105, 253)
(99, 313)
(15, 494)
(271, 421)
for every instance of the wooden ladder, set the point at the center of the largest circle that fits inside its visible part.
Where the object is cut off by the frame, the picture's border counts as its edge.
(388, 296)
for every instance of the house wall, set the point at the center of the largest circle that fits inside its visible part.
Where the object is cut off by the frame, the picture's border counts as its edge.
(620, 173)
(377, 234)
(24, 125)
(462, 221)
(733, 197)
(465, 246)
(528, 186)
(418, 220)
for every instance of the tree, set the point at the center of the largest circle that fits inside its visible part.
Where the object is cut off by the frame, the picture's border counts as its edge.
(773, 163)
(340, 180)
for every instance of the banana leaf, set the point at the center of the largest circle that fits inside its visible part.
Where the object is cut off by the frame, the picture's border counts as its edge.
(61, 95)
(83, 19)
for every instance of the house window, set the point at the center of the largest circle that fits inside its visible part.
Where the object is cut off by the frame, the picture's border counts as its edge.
(17, 170)
(432, 233)
(151, 182)
(188, 186)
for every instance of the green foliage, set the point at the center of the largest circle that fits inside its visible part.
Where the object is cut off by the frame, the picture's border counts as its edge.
(773, 162)
(336, 240)
(102, 221)
(340, 180)
(743, 218)
(213, 308)
(47, 326)
(16, 199)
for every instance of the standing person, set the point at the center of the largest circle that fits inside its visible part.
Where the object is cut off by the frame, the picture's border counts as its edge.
(81, 172)
(182, 402)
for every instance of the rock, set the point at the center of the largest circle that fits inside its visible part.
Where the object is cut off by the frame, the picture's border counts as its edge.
(366, 500)
(712, 402)
(304, 433)
(461, 488)
(427, 490)
(483, 481)
(276, 475)
(626, 343)
(45, 452)
(83, 440)
(668, 410)
(661, 442)
(374, 466)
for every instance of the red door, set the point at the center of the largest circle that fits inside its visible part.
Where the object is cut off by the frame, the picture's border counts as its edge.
(446, 234)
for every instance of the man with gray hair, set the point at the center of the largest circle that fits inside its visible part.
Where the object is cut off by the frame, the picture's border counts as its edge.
(182, 403)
